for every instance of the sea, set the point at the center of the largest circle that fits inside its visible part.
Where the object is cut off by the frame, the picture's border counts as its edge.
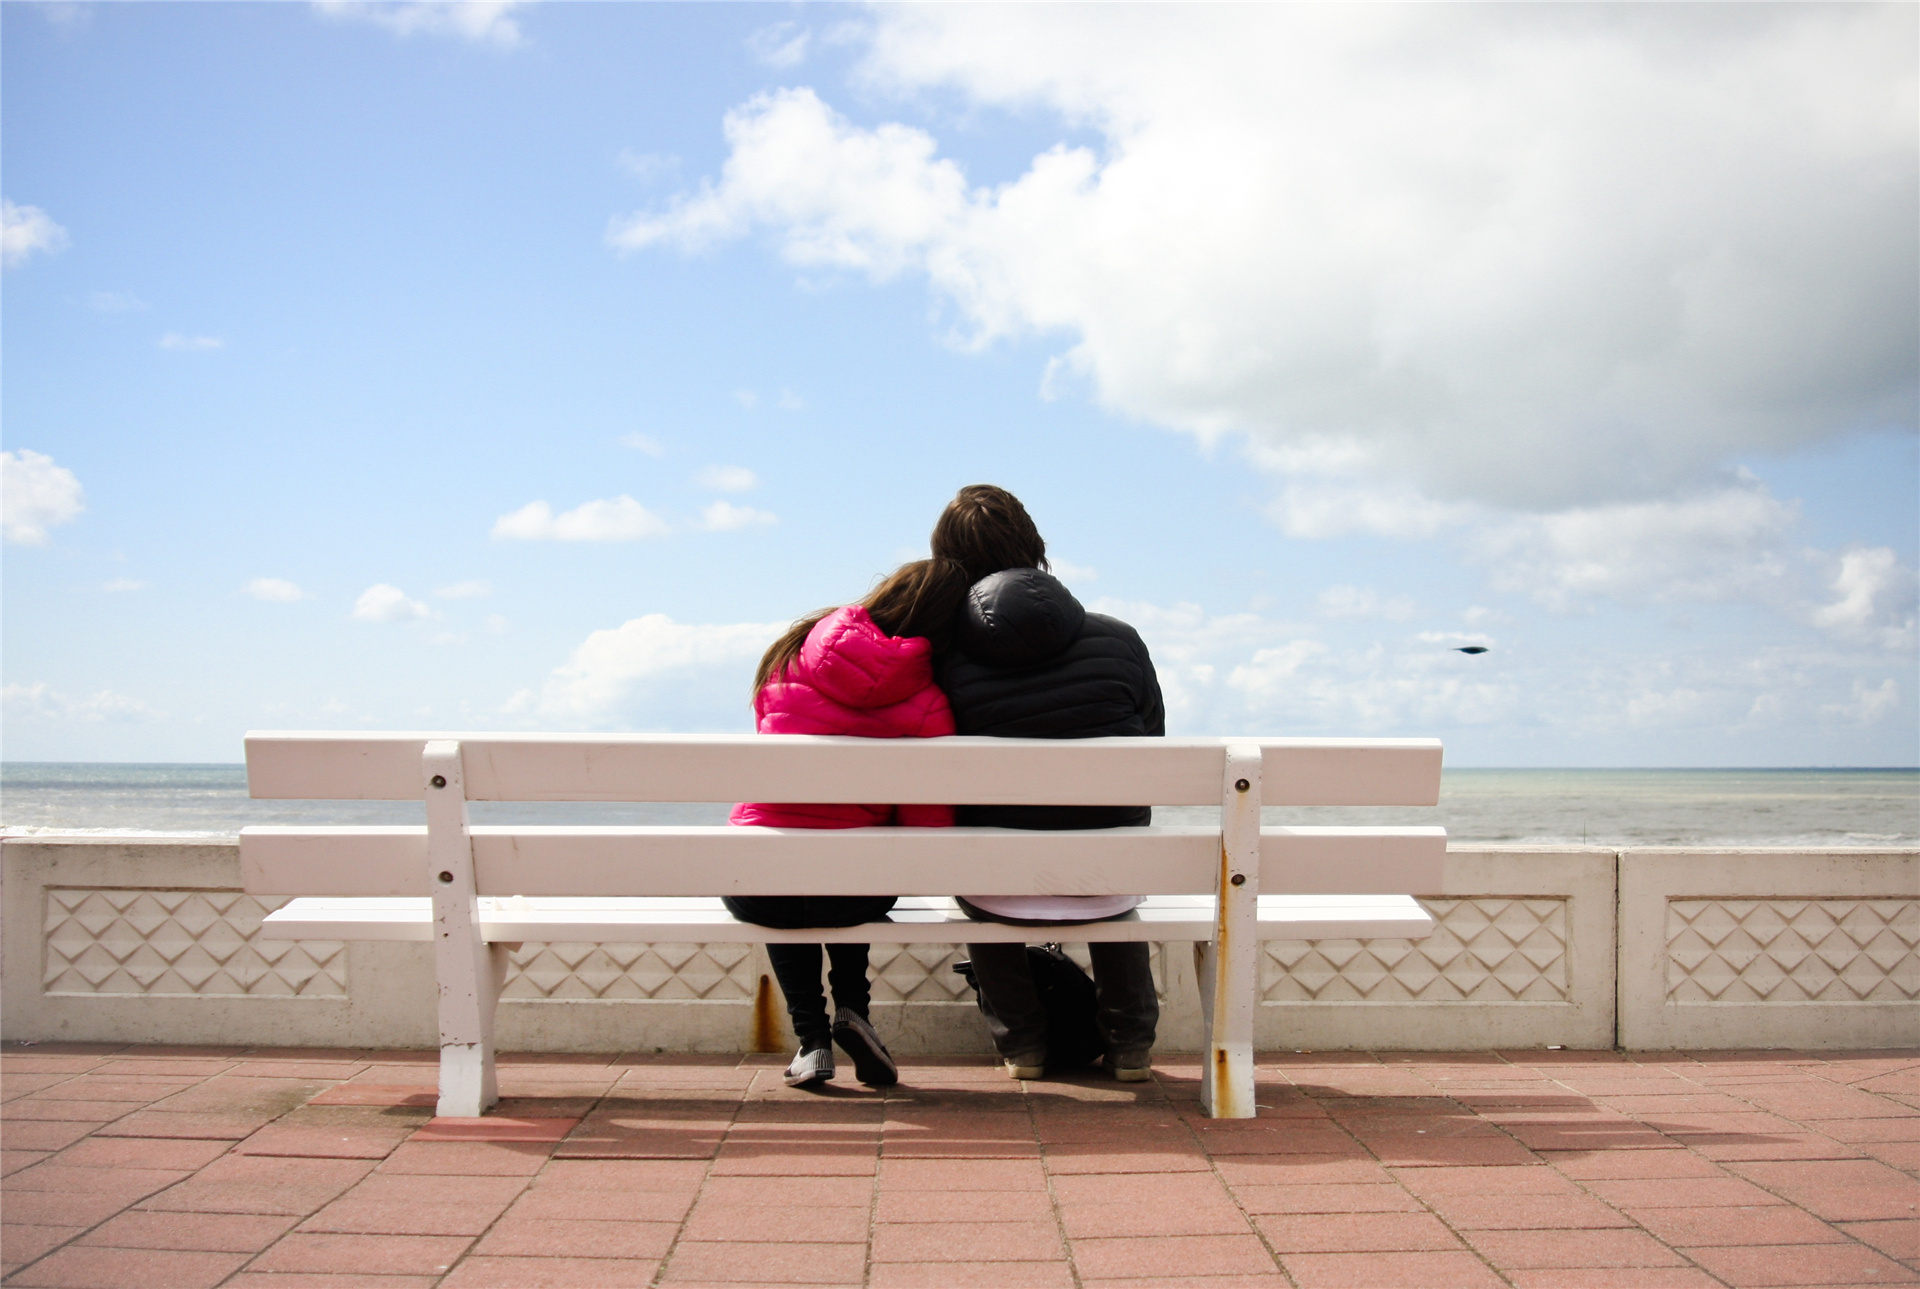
(1868, 809)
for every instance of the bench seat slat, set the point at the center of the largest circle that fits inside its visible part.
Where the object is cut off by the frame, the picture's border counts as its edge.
(917, 919)
(794, 767)
(693, 861)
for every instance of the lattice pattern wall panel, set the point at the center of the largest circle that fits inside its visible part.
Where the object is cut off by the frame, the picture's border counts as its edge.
(198, 943)
(1481, 951)
(561, 971)
(1829, 951)
(924, 972)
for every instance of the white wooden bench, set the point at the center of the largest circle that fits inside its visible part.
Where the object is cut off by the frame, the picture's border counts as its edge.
(475, 890)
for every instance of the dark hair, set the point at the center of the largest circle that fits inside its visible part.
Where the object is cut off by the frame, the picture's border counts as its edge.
(917, 599)
(986, 529)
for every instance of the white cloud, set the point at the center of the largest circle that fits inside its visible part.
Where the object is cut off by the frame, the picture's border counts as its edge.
(497, 625)
(116, 584)
(790, 401)
(746, 398)
(648, 166)
(115, 302)
(40, 699)
(35, 495)
(728, 478)
(1867, 705)
(783, 44)
(25, 230)
(1876, 599)
(275, 590)
(621, 519)
(630, 671)
(482, 21)
(383, 603)
(725, 517)
(644, 444)
(183, 343)
(1068, 571)
(1363, 602)
(1539, 257)
(465, 591)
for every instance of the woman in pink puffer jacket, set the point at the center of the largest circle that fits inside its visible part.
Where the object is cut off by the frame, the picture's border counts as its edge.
(867, 670)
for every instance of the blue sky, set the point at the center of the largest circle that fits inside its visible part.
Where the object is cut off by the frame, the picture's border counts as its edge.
(528, 366)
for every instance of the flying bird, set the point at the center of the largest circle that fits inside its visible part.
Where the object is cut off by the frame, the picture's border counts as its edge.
(1470, 649)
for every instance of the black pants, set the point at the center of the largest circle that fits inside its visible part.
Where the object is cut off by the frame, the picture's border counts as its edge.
(797, 966)
(1125, 1005)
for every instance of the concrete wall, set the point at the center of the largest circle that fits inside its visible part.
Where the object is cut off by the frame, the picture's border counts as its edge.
(151, 940)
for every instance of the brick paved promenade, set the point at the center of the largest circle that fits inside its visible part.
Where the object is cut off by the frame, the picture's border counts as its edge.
(157, 1167)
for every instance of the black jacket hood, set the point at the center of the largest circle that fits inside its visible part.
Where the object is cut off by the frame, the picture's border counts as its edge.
(1017, 617)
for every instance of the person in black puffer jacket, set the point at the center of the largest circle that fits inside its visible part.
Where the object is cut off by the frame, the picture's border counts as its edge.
(1027, 661)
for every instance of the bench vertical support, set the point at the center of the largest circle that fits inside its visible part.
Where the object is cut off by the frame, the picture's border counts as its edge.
(1229, 967)
(466, 967)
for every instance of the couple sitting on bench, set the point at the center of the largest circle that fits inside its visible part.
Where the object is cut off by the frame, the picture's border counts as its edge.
(979, 639)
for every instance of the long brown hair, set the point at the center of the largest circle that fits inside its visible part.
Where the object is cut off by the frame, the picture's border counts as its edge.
(917, 599)
(987, 529)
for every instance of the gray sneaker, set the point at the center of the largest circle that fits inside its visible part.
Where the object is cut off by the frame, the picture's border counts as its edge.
(872, 1063)
(810, 1068)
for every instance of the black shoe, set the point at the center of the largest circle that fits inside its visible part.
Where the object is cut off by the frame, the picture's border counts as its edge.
(872, 1063)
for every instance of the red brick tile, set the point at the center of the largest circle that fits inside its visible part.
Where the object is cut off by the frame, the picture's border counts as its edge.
(519, 1237)
(962, 1206)
(967, 1241)
(1694, 1192)
(141, 1152)
(1298, 1170)
(797, 1160)
(1357, 1198)
(1870, 1131)
(39, 1109)
(494, 1128)
(1180, 1255)
(61, 1208)
(1525, 1212)
(1443, 1270)
(1759, 1224)
(1633, 1164)
(823, 1192)
(23, 1242)
(962, 1175)
(1897, 1239)
(325, 1280)
(1156, 1129)
(1529, 1180)
(971, 1275)
(128, 1184)
(167, 1068)
(1151, 1217)
(1802, 1264)
(203, 1232)
(1610, 1278)
(205, 1126)
(893, 1148)
(1093, 1158)
(1356, 1233)
(799, 1221)
(618, 1174)
(378, 1094)
(1572, 1249)
(1131, 1188)
(551, 1273)
(366, 1254)
(1840, 1191)
(12, 1161)
(385, 1217)
(663, 1143)
(607, 1206)
(91, 1268)
(1275, 1279)
(1797, 1145)
(763, 1264)
(463, 1158)
(1418, 1152)
(43, 1134)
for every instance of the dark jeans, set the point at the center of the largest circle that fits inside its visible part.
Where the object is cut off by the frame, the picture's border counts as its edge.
(797, 966)
(1125, 1006)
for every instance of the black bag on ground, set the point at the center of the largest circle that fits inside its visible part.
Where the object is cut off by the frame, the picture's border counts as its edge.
(1067, 993)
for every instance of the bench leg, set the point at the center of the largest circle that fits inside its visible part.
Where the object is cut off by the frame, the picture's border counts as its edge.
(468, 970)
(1228, 967)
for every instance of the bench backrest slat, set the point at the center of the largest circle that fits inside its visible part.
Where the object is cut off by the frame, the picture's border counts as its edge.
(985, 771)
(623, 861)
